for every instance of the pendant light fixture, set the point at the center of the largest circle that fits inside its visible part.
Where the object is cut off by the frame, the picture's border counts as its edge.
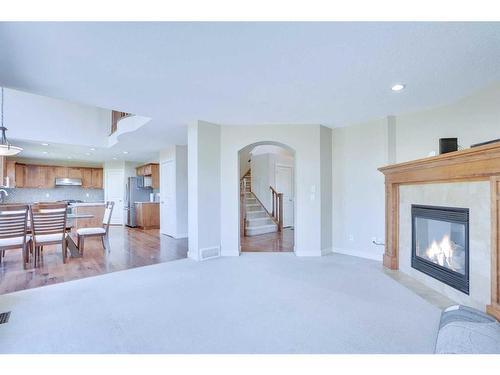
(6, 149)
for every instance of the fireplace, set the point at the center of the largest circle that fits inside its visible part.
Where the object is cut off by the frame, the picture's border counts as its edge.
(440, 244)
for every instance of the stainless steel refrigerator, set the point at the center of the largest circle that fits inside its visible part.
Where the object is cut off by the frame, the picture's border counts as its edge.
(134, 192)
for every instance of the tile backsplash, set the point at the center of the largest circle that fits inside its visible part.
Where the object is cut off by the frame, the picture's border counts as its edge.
(26, 195)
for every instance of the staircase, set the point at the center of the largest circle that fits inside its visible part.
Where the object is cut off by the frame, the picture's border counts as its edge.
(257, 219)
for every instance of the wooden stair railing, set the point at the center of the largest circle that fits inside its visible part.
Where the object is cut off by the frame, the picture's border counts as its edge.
(243, 189)
(277, 212)
(115, 117)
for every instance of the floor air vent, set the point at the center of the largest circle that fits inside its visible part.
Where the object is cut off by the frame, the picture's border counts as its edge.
(4, 317)
(209, 252)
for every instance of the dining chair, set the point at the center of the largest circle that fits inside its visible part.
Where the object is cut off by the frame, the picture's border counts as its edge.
(48, 227)
(13, 228)
(97, 231)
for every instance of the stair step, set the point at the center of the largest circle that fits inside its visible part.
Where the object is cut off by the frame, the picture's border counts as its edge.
(256, 214)
(255, 208)
(261, 229)
(258, 221)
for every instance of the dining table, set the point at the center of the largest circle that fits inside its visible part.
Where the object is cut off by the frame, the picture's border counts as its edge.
(72, 246)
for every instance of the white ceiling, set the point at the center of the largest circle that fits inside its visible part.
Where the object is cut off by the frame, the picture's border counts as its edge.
(83, 154)
(247, 73)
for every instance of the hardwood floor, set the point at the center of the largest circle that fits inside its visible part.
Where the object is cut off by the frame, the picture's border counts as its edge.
(270, 242)
(130, 248)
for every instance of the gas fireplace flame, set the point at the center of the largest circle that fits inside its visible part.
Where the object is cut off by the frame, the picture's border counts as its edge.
(442, 252)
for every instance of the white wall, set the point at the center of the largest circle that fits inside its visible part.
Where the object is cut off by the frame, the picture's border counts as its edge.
(359, 150)
(204, 198)
(54, 120)
(181, 174)
(261, 179)
(358, 188)
(179, 156)
(473, 119)
(326, 189)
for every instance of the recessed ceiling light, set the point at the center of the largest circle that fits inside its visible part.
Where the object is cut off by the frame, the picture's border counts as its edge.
(398, 87)
(87, 153)
(125, 152)
(45, 152)
(92, 149)
(114, 158)
(45, 144)
(70, 157)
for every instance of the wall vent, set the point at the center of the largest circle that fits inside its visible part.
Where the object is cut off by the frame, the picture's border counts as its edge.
(4, 317)
(209, 252)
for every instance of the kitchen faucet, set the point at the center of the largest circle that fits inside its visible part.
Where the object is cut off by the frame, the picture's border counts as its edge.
(4, 195)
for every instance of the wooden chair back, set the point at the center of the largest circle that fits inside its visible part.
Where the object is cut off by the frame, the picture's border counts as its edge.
(48, 218)
(108, 211)
(13, 221)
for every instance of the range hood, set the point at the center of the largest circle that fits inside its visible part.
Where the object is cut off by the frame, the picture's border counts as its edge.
(68, 182)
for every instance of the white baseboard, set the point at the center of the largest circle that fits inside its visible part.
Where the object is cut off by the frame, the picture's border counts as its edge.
(308, 253)
(361, 254)
(326, 251)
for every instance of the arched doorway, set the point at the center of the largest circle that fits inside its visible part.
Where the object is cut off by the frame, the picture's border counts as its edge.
(267, 197)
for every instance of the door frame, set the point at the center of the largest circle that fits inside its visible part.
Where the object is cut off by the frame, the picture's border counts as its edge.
(294, 166)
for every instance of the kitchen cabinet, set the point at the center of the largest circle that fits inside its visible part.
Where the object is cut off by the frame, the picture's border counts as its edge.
(33, 176)
(10, 173)
(97, 210)
(152, 170)
(97, 178)
(147, 215)
(87, 178)
(44, 176)
(20, 176)
(74, 172)
(50, 177)
(61, 172)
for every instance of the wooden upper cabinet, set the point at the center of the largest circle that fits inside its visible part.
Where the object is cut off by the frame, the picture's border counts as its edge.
(145, 170)
(44, 176)
(20, 176)
(10, 173)
(47, 177)
(155, 176)
(74, 172)
(153, 170)
(86, 178)
(97, 178)
(61, 172)
(32, 176)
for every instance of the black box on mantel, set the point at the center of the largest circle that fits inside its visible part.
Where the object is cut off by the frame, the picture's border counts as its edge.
(447, 145)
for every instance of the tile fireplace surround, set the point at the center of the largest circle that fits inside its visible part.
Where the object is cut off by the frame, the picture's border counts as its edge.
(473, 195)
(468, 178)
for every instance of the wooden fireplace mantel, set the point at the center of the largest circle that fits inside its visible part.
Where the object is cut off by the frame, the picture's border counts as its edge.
(474, 164)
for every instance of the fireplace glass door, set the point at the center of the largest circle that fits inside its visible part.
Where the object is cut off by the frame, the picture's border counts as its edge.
(440, 247)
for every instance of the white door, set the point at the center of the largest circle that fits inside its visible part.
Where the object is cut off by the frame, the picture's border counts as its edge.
(284, 184)
(167, 202)
(115, 191)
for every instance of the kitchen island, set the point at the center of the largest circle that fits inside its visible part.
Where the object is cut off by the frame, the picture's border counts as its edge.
(95, 209)
(147, 215)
